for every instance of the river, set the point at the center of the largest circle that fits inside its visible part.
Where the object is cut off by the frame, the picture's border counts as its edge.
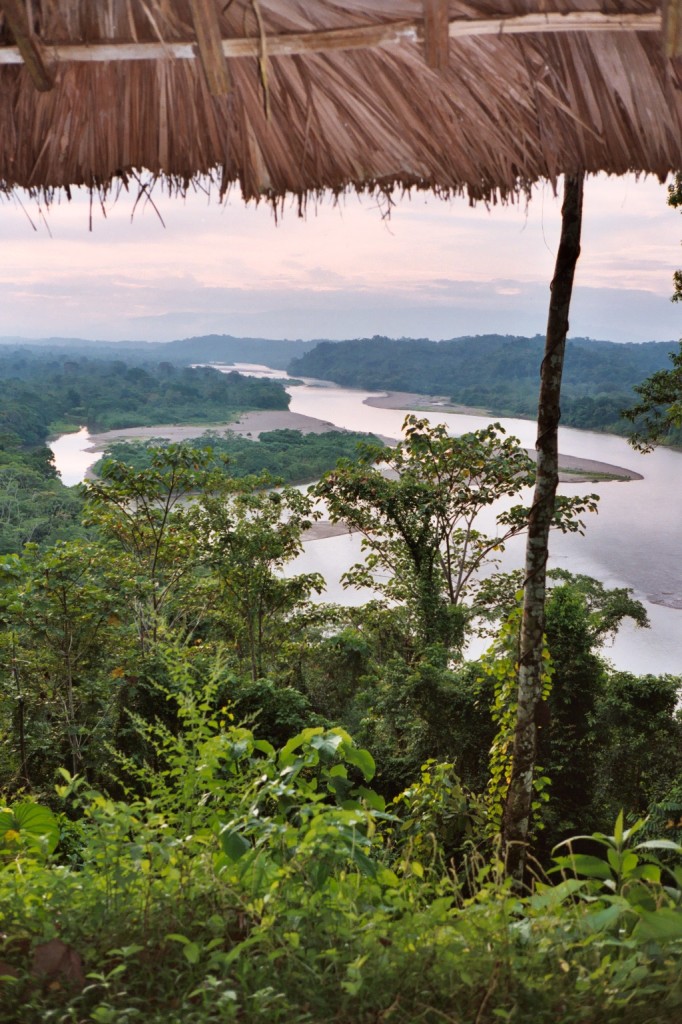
(634, 541)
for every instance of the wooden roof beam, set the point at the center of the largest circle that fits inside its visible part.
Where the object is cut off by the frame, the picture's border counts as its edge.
(359, 37)
(27, 44)
(213, 61)
(672, 28)
(436, 34)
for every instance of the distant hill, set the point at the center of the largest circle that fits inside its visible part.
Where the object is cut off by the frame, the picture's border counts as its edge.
(496, 372)
(214, 348)
(207, 349)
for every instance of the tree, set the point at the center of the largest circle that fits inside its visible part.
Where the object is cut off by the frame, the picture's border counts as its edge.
(418, 505)
(143, 512)
(659, 413)
(658, 416)
(517, 811)
(62, 616)
(245, 536)
(639, 725)
(581, 615)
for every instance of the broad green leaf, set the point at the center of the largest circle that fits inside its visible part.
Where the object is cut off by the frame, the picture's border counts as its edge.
(362, 759)
(584, 864)
(440, 907)
(234, 844)
(664, 925)
(659, 844)
(604, 918)
(553, 895)
(32, 824)
(622, 863)
(388, 878)
(629, 862)
(191, 952)
(648, 872)
(365, 864)
(373, 800)
(340, 786)
(618, 829)
(264, 747)
(287, 751)
(326, 745)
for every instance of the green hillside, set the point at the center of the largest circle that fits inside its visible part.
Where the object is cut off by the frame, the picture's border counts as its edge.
(497, 372)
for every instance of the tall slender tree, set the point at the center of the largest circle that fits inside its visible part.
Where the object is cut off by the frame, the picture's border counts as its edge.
(517, 812)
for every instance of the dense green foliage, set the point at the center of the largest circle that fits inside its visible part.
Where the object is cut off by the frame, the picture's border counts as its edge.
(250, 884)
(495, 372)
(43, 393)
(657, 415)
(226, 802)
(34, 505)
(417, 506)
(287, 455)
(39, 391)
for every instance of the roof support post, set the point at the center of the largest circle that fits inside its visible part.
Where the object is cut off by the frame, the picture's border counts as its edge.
(209, 40)
(27, 44)
(517, 811)
(436, 34)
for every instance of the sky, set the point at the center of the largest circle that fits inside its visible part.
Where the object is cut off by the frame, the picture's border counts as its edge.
(434, 268)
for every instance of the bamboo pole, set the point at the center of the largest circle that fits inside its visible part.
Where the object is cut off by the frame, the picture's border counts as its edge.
(359, 37)
(517, 811)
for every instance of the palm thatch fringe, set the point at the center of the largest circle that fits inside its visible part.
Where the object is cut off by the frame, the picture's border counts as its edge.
(297, 97)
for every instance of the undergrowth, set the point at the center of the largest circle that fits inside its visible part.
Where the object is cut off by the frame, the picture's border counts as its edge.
(241, 883)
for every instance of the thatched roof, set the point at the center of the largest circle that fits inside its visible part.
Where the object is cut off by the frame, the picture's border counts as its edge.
(296, 96)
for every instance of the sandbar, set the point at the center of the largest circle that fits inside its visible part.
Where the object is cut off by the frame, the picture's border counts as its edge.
(252, 424)
(249, 424)
(573, 468)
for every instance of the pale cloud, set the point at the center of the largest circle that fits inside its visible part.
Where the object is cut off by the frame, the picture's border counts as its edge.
(434, 269)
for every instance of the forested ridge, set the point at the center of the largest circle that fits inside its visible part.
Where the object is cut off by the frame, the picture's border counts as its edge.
(226, 801)
(210, 348)
(496, 372)
(43, 392)
(499, 373)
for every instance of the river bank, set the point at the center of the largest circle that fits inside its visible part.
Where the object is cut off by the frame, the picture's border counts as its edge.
(253, 424)
(249, 424)
(572, 468)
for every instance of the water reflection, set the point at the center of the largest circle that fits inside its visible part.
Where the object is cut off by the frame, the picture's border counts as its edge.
(72, 457)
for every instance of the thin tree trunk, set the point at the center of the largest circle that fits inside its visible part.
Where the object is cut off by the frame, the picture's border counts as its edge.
(517, 812)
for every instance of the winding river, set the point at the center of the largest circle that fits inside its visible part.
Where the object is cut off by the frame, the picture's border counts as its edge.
(634, 541)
